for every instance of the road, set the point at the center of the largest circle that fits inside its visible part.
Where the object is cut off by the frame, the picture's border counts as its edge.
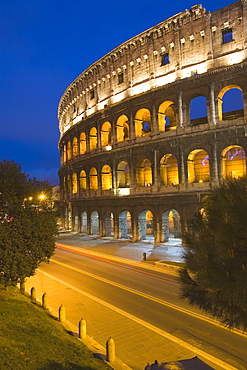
(147, 297)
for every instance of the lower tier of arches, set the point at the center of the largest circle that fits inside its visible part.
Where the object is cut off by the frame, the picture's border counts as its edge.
(154, 219)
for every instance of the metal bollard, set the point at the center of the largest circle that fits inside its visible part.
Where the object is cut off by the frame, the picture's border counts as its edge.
(144, 256)
(110, 350)
(33, 294)
(44, 301)
(61, 313)
(82, 329)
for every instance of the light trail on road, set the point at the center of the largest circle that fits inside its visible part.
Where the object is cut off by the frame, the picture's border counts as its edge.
(117, 264)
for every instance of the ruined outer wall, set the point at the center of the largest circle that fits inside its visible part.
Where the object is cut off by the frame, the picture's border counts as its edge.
(193, 41)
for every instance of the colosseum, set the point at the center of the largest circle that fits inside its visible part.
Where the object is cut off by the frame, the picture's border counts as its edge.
(154, 124)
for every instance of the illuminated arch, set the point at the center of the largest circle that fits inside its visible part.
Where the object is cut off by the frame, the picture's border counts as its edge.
(64, 153)
(144, 175)
(125, 225)
(106, 134)
(122, 128)
(233, 162)
(84, 222)
(169, 170)
(93, 179)
(106, 177)
(69, 154)
(142, 122)
(167, 116)
(198, 166)
(171, 226)
(83, 143)
(108, 223)
(94, 218)
(74, 183)
(123, 175)
(198, 111)
(236, 110)
(145, 225)
(83, 180)
(75, 147)
(93, 141)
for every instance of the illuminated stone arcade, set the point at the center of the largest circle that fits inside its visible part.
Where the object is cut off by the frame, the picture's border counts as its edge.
(151, 127)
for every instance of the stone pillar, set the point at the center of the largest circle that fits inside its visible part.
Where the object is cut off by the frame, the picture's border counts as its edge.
(165, 227)
(245, 103)
(116, 227)
(100, 226)
(214, 164)
(211, 107)
(182, 176)
(135, 234)
(180, 109)
(155, 168)
(131, 126)
(157, 230)
(155, 128)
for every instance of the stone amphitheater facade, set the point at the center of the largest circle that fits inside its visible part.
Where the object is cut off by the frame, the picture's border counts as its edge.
(145, 130)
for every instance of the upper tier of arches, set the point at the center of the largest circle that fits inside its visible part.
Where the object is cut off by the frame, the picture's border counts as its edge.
(169, 115)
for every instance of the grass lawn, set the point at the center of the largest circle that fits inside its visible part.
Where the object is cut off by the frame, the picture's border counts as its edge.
(31, 339)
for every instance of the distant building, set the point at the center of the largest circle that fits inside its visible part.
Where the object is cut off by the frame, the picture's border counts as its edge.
(146, 130)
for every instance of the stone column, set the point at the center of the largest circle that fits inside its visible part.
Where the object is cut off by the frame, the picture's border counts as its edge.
(245, 103)
(180, 109)
(155, 128)
(211, 107)
(214, 164)
(116, 227)
(182, 168)
(131, 126)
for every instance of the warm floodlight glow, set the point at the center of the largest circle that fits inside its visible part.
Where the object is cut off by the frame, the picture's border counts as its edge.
(42, 196)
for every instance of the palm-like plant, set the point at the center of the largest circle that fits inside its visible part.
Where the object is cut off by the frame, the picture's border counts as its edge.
(215, 275)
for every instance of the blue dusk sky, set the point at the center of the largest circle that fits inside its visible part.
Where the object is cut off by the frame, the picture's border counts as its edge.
(44, 46)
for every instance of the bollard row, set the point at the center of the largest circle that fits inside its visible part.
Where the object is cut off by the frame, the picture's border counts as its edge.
(82, 331)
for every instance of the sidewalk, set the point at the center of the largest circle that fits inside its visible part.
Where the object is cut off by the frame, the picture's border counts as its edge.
(137, 342)
(170, 251)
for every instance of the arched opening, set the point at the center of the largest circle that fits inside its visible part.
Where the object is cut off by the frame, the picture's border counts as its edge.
(93, 179)
(123, 175)
(106, 134)
(167, 116)
(144, 175)
(75, 147)
(169, 170)
(64, 153)
(106, 177)
(69, 150)
(230, 103)
(94, 223)
(125, 225)
(93, 142)
(171, 226)
(142, 122)
(145, 226)
(83, 180)
(122, 128)
(83, 143)
(198, 111)
(233, 162)
(198, 166)
(84, 223)
(108, 224)
(74, 183)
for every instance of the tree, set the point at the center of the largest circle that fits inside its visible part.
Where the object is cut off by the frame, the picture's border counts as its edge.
(215, 275)
(27, 228)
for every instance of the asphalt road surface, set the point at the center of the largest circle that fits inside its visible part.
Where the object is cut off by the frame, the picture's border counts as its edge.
(147, 295)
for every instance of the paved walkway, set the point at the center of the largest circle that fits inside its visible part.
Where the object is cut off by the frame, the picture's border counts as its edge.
(137, 342)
